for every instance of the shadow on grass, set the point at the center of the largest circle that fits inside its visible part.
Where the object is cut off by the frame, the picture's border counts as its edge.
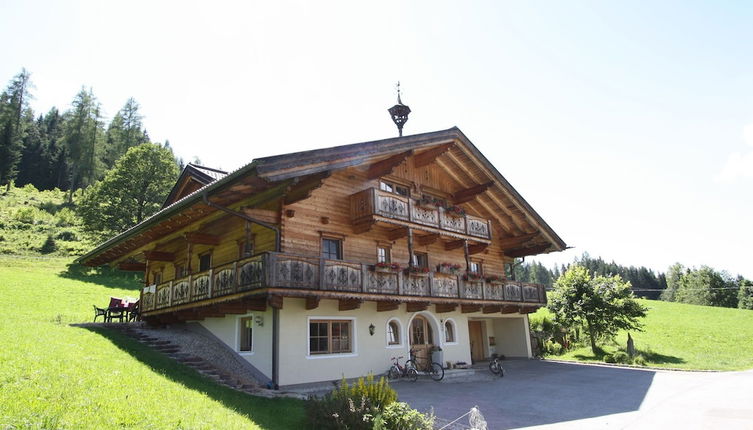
(281, 413)
(650, 356)
(104, 276)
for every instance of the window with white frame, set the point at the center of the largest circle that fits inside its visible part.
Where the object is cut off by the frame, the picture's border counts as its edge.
(246, 331)
(393, 332)
(449, 331)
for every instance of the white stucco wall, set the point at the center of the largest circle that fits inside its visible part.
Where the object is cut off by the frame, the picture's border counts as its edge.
(511, 335)
(227, 329)
(371, 354)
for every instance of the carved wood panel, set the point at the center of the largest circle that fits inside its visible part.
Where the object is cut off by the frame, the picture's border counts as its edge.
(472, 289)
(382, 282)
(512, 293)
(200, 287)
(341, 276)
(296, 273)
(494, 291)
(416, 285)
(147, 301)
(424, 215)
(452, 223)
(392, 207)
(251, 275)
(445, 286)
(530, 293)
(223, 282)
(181, 292)
(163, 296)
(478, 227)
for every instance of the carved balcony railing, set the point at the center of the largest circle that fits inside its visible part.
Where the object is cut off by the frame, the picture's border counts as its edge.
(279, 270)
(372, 202)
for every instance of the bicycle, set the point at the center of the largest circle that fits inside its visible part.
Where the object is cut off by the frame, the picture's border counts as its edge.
(431, 367)
(495, 365)
(397, 371)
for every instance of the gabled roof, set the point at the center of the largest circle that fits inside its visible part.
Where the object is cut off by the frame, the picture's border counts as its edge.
(286, 170)
(199, 175)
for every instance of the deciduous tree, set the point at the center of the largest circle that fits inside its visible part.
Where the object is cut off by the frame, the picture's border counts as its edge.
(603, 305)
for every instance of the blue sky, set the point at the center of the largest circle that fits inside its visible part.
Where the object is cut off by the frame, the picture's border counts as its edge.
(622, 123)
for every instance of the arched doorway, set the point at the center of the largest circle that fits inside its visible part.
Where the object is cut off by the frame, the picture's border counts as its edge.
(421, 340)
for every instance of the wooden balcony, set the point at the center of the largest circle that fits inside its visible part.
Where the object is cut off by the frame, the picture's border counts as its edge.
(373, 205)
(300, 276)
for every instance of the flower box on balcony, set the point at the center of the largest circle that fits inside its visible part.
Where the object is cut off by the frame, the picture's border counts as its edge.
(387, 267)
(495, 279)
(455, 211)
(449, 268)
(417, 271)
(472, 277)
(428, 203)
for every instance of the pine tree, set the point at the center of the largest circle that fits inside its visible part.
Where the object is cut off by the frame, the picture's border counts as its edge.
(125, 131)
(13, 110)
(83, 137)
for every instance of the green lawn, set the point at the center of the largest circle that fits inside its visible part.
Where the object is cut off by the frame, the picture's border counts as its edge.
(53, 375)
(684, 336)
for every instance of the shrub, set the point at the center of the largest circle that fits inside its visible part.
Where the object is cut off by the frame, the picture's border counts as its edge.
(351, 406)
(49, 246)
(66, 218)
(609, 358)
(67, 235)
(552, 348)
(621, 357)
(640, 360)
(25, 215)
(400, 416)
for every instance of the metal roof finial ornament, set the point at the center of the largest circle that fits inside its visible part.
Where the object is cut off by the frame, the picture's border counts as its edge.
(399, 112)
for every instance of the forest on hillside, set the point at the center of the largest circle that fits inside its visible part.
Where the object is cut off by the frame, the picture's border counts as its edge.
(67, 149)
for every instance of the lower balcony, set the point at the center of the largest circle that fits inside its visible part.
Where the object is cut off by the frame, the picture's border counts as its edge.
(274, 274)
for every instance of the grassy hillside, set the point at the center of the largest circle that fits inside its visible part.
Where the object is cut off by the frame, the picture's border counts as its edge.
(53, 375)
(682, 336)
(29, 216)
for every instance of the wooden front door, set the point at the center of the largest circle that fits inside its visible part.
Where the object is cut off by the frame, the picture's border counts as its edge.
(477, 340)
(421, 341)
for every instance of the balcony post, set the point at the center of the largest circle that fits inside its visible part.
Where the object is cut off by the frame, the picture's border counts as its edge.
(190, 287)
(236, 278)
(467, 256)
(169, 296)
(211, 283)
(410, 249)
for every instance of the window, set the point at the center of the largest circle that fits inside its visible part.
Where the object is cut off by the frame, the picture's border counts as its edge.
(205, 261)
(246, 334)
(394, 188)
(476, 267)
(157, 276)
(437, 200)
(421, 259)
(332, 249)
(330, 337)
(449, 331)
(383, 254)
(180, 270)
(393, 333)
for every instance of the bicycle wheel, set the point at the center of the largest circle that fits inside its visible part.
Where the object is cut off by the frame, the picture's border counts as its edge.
(411, 374)
(495, 367)
(393, 373)
(411, 364)
(437, 373)
(501, 371)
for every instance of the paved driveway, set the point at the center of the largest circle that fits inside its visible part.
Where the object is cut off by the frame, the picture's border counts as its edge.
(564, 396)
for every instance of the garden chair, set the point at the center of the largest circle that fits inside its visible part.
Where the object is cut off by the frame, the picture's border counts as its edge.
(116, 309)
(133, 311)
(100, 312)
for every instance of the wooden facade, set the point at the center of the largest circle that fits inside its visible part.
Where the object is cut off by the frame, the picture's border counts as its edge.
(248, 239)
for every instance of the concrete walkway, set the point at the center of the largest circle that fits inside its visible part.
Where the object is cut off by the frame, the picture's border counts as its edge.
(551, 395)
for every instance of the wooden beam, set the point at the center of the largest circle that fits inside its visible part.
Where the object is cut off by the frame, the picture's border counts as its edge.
(491, 309)
(527, 309)
(264, 215)
(201, 238)
(349, 304)
(275, 301)
(441, 308)
(303, 188)
(509, 309)
(312, 303)
(159, 256)
(417, 306)
(428, 239)
(475, 249)
(387, 306)
(256, 304)
(455, 244)
(427, 157)
(469, 193)
(384, 167)
(467, 309)
(531, 250)
(132, 267)
(397, 233)
(512, 242)
(363, 227)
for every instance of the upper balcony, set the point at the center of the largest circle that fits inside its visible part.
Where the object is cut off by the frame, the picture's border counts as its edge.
(373, 205)
(288, 275)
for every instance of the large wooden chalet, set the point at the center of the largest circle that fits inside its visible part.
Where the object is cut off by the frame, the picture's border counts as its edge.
(325, 263)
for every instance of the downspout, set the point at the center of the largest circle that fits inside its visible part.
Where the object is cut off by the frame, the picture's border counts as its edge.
(275, 311)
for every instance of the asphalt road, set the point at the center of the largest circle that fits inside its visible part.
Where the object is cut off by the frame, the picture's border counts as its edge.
(551, 395)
